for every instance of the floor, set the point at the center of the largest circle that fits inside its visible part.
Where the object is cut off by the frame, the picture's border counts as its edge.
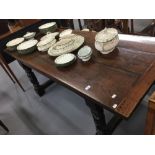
(59, 111)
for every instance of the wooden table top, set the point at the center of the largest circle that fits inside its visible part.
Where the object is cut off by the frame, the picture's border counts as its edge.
(128, 72)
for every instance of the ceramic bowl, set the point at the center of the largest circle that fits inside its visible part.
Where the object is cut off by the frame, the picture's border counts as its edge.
(48, 27)
(50, 35)
(65, 60)
(85, 53)
(27, 46)
(45, 44)
(12, 45)
(29, 35)
(106, 40)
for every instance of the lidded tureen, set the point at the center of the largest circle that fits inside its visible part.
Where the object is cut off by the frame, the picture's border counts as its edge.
(106, 40)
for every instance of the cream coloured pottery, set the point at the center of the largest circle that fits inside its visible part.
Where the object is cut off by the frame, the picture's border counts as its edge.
(65, 32)
(65, 59)
(29, 35)
(12, 45)
(85, 53)
(27, 46)
(50, 35)
(106, 40)
(45, 44)
(66, 45)
(48, 27)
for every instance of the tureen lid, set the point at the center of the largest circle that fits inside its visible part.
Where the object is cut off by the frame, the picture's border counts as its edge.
(106, 34)
(47, 25)
(28, 34)
(45, 41)
(50, 35)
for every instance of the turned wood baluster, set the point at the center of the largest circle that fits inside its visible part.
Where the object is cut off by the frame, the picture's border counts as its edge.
(37, 87)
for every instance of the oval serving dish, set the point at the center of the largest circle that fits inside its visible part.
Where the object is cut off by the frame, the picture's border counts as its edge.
(66, 45)
(12, 45)
(48, 27)
(65, 60)
(27, 46)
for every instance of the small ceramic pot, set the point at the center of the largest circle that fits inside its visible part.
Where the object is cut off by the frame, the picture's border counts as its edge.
(45, 44)
(48, 27)
(29, 35)
(106, 40)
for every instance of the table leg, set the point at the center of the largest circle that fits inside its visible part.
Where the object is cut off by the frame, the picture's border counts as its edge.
(4, 127)
(98, 116)
(37, 87)
(102, 128)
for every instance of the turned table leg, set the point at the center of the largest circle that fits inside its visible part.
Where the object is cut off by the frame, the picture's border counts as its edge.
(37, 87)
(3, 126)
(98, 116)
(102, 128)
(150, 119)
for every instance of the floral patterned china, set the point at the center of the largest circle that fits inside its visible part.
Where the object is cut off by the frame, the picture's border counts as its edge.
(65, 32)
(27, 46)
(66, 45)
(29, 35)
(50, 35)
(12, 45)
(65, 60)
(45, 44)
(85, 53)
(106, 40)
(48, 27)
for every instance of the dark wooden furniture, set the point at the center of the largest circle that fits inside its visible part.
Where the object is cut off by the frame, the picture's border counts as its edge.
(9, 71)
(150, 119)
(117, 82)
(4, 126)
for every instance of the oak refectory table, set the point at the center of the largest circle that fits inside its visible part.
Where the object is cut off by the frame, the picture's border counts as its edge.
(115, 82)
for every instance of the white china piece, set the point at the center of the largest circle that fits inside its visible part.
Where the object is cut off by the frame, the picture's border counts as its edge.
(27, 46)
(65, 59)
(12, 45)
(50, 35)
(106, 40)
(65, 32)
(67, 36)
(66, 45)
(48, 27)
(29, 35)
(45, 44)
(85, 53)
(85, 29)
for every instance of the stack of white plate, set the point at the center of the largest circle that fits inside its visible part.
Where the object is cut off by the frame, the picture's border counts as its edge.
(85, 53)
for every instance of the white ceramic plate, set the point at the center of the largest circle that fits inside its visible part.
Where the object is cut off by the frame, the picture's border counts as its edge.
(50, 35)
(65, 59)
(66, 45)
(47, 25)
(65, 32)
(15, 42)
(27, 44)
